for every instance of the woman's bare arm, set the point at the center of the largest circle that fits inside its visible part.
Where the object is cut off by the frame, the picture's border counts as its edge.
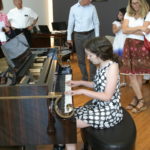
(131, 30)
(112, 73)
(115, 28)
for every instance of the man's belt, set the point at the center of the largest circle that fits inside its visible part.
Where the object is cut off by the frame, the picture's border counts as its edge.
(85, 32)
(19, 29)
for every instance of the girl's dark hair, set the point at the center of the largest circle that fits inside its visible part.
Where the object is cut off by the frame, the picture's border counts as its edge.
(102, 47)
(123, 11)
(1, 5)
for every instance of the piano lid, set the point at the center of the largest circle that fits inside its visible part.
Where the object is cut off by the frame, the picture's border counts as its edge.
(16, 51)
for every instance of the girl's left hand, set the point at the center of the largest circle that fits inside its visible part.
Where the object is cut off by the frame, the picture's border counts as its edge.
(75, 92)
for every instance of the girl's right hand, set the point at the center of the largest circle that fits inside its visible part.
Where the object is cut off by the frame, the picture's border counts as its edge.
(73, 83)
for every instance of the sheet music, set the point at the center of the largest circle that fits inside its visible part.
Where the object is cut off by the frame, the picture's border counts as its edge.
(59, 31)
(1, 25)
(2, 34)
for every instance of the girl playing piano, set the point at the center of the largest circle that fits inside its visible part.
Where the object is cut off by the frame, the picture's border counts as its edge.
(104, 110)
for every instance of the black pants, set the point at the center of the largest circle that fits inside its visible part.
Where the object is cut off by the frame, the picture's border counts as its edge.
(26, 32)
(1, 52)
(80, 39)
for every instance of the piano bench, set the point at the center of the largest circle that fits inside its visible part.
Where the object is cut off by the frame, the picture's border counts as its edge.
(120, 137)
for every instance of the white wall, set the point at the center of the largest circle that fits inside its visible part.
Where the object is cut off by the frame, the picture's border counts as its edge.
(39, 6)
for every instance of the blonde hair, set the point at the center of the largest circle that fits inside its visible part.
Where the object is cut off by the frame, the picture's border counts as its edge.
(143, 10)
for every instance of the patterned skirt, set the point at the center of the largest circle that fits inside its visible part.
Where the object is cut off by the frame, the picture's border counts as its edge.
(136, 58)
(98, 116)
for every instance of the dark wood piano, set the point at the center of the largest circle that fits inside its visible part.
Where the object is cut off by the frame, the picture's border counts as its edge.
(33, 110)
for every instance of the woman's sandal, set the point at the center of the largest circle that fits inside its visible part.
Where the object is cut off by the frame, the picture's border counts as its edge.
(133, 103)
(140, 106)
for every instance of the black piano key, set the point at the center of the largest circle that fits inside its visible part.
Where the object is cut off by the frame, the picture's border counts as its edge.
(60, 83)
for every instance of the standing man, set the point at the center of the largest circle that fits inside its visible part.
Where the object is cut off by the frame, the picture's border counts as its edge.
(22, 19)
(84, 22)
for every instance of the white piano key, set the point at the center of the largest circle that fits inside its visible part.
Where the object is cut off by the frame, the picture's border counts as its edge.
(68, 98)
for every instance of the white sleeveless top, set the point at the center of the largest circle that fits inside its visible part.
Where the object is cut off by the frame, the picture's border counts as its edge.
(133, 22)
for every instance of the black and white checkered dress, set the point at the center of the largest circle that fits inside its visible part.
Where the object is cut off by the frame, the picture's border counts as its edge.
(101, 114)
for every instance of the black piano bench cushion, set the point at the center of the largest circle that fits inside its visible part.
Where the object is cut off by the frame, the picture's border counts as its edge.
(120, 137)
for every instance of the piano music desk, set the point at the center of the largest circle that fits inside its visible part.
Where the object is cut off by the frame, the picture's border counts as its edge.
(39, 40)
(44, 39)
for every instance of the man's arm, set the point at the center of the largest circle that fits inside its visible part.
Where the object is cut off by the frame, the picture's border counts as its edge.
(33, 24)
(33, 16)
(71, 22)
(96, 23)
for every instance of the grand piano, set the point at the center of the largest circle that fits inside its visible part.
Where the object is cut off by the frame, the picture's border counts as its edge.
(33, 108)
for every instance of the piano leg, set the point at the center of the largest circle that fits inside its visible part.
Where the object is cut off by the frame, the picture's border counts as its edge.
(51, 119)
(59, 147)
(27, 147)
(22, 148)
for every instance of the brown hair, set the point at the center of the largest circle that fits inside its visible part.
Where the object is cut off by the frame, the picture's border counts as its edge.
(1, 5)
(102, 48)
(144, 8)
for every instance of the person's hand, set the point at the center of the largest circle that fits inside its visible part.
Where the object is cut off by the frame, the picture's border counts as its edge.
(30, 28)
(143, 28)
(75, 92)
(70, 42)
(5, 29)
(73, 83)
(147, 31)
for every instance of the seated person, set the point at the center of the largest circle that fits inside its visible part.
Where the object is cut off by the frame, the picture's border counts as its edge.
(104, 110)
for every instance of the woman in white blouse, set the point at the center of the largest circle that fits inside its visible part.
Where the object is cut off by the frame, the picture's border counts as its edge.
(135, 56)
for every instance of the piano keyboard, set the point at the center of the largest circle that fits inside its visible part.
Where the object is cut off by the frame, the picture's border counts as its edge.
(61, 86)
(68, 98)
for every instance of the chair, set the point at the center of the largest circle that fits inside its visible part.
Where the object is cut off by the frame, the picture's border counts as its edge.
(120, 137)
(60, 28)
(59, 25)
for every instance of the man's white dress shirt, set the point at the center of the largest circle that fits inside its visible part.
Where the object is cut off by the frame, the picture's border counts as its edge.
(82, 19)
(21, 18)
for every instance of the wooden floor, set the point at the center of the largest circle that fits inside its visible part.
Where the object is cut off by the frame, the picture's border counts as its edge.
(142, 120)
